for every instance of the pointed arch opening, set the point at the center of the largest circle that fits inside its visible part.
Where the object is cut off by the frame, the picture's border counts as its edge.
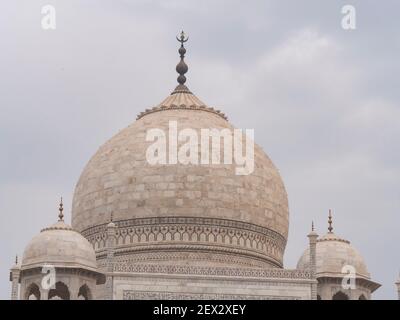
(84, 293)
(60, 292)
(362, 297)
(340, 296)
(32, 292)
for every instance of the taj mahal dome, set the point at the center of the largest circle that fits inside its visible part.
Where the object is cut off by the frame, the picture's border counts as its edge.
(182, 231)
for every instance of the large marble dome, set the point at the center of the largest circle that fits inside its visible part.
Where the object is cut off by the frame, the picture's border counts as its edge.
(181, 205)
(185, 213)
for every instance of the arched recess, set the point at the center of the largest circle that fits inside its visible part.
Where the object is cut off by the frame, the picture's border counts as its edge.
(340, 296)
(33, 292)
(318, 297)
(362, 297)
(60, 292)
(84, 293)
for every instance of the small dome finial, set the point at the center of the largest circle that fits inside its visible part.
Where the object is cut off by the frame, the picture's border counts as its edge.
(182, 67)
(61, 209)
(330, 228)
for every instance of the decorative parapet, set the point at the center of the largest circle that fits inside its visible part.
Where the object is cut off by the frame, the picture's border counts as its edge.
(181, 107)
(272, 273)
(191, 233)
(146, 295)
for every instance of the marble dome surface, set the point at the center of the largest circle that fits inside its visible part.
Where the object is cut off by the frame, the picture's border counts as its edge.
(61, 246)
(118, 180)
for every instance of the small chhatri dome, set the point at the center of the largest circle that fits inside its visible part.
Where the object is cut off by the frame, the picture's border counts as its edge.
(332, 254)
(61, 246)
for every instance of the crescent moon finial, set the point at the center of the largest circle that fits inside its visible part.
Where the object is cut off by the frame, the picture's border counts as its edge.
(182, 67)
(182, 37)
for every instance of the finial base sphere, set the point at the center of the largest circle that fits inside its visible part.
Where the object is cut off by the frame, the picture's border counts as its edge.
(181, 79)
(182, 51)
(182, 68)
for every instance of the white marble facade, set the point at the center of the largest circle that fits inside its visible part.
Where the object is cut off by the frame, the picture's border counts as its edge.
(179, 231)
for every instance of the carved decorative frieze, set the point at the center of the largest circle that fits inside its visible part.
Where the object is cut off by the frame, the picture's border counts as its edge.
(185, 233)
(275, 273)
(149, 295)
(198, 256)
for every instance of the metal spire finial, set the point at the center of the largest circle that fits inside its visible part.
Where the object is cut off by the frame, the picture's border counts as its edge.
(312, 225)
(61, 209)
(16, 259)
(182, 67)
(182, 38)
(330, 228)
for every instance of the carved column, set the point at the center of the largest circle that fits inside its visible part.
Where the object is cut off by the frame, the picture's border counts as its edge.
(111, 235)
(313, 236)
(44, 294)
(14, 278)
(398, 289)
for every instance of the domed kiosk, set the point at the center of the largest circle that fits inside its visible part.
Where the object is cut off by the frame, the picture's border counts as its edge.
(59, 263)
(340, 269)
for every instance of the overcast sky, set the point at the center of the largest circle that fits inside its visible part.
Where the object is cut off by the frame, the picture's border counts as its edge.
(323, 102)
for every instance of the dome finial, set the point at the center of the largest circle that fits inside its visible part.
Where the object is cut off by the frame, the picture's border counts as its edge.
(182, 38)
(182, 67)
(16, 259)
(330, 228)
(61, 209)
(312, 232)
